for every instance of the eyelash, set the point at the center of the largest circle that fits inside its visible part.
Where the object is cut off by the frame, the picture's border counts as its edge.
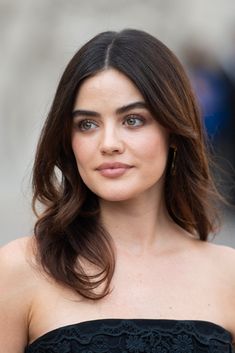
(80, 127)
(80, 123)
(136, 117)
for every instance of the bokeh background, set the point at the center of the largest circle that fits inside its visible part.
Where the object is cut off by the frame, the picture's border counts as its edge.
(37, 38)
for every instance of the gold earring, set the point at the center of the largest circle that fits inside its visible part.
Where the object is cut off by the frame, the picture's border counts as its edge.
(173, 161)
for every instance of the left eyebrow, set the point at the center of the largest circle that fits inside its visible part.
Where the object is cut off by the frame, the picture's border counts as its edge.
(126, 108)
(121, 110)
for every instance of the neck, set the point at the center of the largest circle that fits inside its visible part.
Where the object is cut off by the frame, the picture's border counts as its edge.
(136, 224)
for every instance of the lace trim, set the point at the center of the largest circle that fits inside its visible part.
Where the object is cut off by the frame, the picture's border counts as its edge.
(135, 336)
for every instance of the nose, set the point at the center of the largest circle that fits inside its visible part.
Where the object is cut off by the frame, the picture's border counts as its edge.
(111, 141)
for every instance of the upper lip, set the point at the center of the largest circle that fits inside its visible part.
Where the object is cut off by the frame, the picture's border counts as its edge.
(114, 165)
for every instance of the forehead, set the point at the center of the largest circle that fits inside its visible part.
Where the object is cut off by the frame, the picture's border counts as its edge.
(107, 87)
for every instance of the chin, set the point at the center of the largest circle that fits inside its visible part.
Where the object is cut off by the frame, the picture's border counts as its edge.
(115, 197)
(120, 195)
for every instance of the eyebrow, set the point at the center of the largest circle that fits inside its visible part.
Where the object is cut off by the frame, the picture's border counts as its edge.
(121, 110)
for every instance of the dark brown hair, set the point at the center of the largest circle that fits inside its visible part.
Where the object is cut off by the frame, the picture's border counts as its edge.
(68, 231)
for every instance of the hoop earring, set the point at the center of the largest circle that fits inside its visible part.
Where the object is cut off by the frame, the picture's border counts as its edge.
(173, 161)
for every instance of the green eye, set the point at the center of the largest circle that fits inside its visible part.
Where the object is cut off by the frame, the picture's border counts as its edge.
(85, 125)
(134, 121)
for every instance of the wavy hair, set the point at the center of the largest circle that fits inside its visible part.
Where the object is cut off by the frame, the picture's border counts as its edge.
(68, 231)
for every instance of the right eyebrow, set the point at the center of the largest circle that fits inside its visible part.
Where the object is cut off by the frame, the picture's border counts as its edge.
(121, 110)
(87, 113)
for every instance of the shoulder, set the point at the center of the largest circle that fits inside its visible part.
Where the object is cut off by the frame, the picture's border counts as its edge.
(17, 283)
(217, 269)
(224, 255)
(216, 264)
(15, 256)
(16, 267)
(18, 246)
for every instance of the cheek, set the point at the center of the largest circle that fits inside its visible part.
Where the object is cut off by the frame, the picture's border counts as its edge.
(81, 149)
(153, 147)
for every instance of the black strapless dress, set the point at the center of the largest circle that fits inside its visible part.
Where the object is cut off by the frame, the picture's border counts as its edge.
(135, 336)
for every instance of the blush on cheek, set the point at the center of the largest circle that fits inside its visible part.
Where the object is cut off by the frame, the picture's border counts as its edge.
(80, 152)
(152, 150)
(84, 148)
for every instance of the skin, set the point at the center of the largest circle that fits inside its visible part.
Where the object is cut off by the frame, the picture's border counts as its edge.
(133, 137)
(110, 137)
(161, 270)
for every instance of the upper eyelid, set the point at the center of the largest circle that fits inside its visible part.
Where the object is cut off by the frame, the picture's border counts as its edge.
(79, 120)
(78, 125)
(138, 119)
(134, 115)
(141, 113)
(141, 116)
(137, 115)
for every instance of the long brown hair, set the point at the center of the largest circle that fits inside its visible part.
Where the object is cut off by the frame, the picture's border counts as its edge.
(68, 231)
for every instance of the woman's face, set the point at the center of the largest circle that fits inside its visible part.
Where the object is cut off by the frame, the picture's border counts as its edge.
(120, 149)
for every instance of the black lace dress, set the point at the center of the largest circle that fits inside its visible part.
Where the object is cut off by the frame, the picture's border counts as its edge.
(135, 336)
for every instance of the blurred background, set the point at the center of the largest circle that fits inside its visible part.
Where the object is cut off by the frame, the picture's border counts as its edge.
(38, 38)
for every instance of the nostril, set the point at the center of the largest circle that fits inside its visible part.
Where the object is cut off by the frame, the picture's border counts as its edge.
(112, 146)
(111, 150)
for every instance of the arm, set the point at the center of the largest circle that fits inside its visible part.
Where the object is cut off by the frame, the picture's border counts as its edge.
(15, 296)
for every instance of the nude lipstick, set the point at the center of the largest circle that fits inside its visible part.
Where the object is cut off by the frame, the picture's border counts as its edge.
(113, 170)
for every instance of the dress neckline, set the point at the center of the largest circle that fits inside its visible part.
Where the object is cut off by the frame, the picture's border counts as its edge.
(86, 323)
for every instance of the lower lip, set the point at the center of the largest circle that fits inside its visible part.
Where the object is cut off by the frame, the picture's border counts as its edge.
(113, 173)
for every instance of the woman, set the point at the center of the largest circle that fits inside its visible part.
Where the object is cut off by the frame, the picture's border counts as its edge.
(119, 261)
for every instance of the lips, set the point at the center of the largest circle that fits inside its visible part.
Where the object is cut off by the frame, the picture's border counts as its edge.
(115, 165)
(113, 170)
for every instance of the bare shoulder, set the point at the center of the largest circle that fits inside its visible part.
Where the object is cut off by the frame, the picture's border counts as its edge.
(17, 246)
(224, 256)
(17, 270)
(17, 285)
(15, 257)
(216, 266)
